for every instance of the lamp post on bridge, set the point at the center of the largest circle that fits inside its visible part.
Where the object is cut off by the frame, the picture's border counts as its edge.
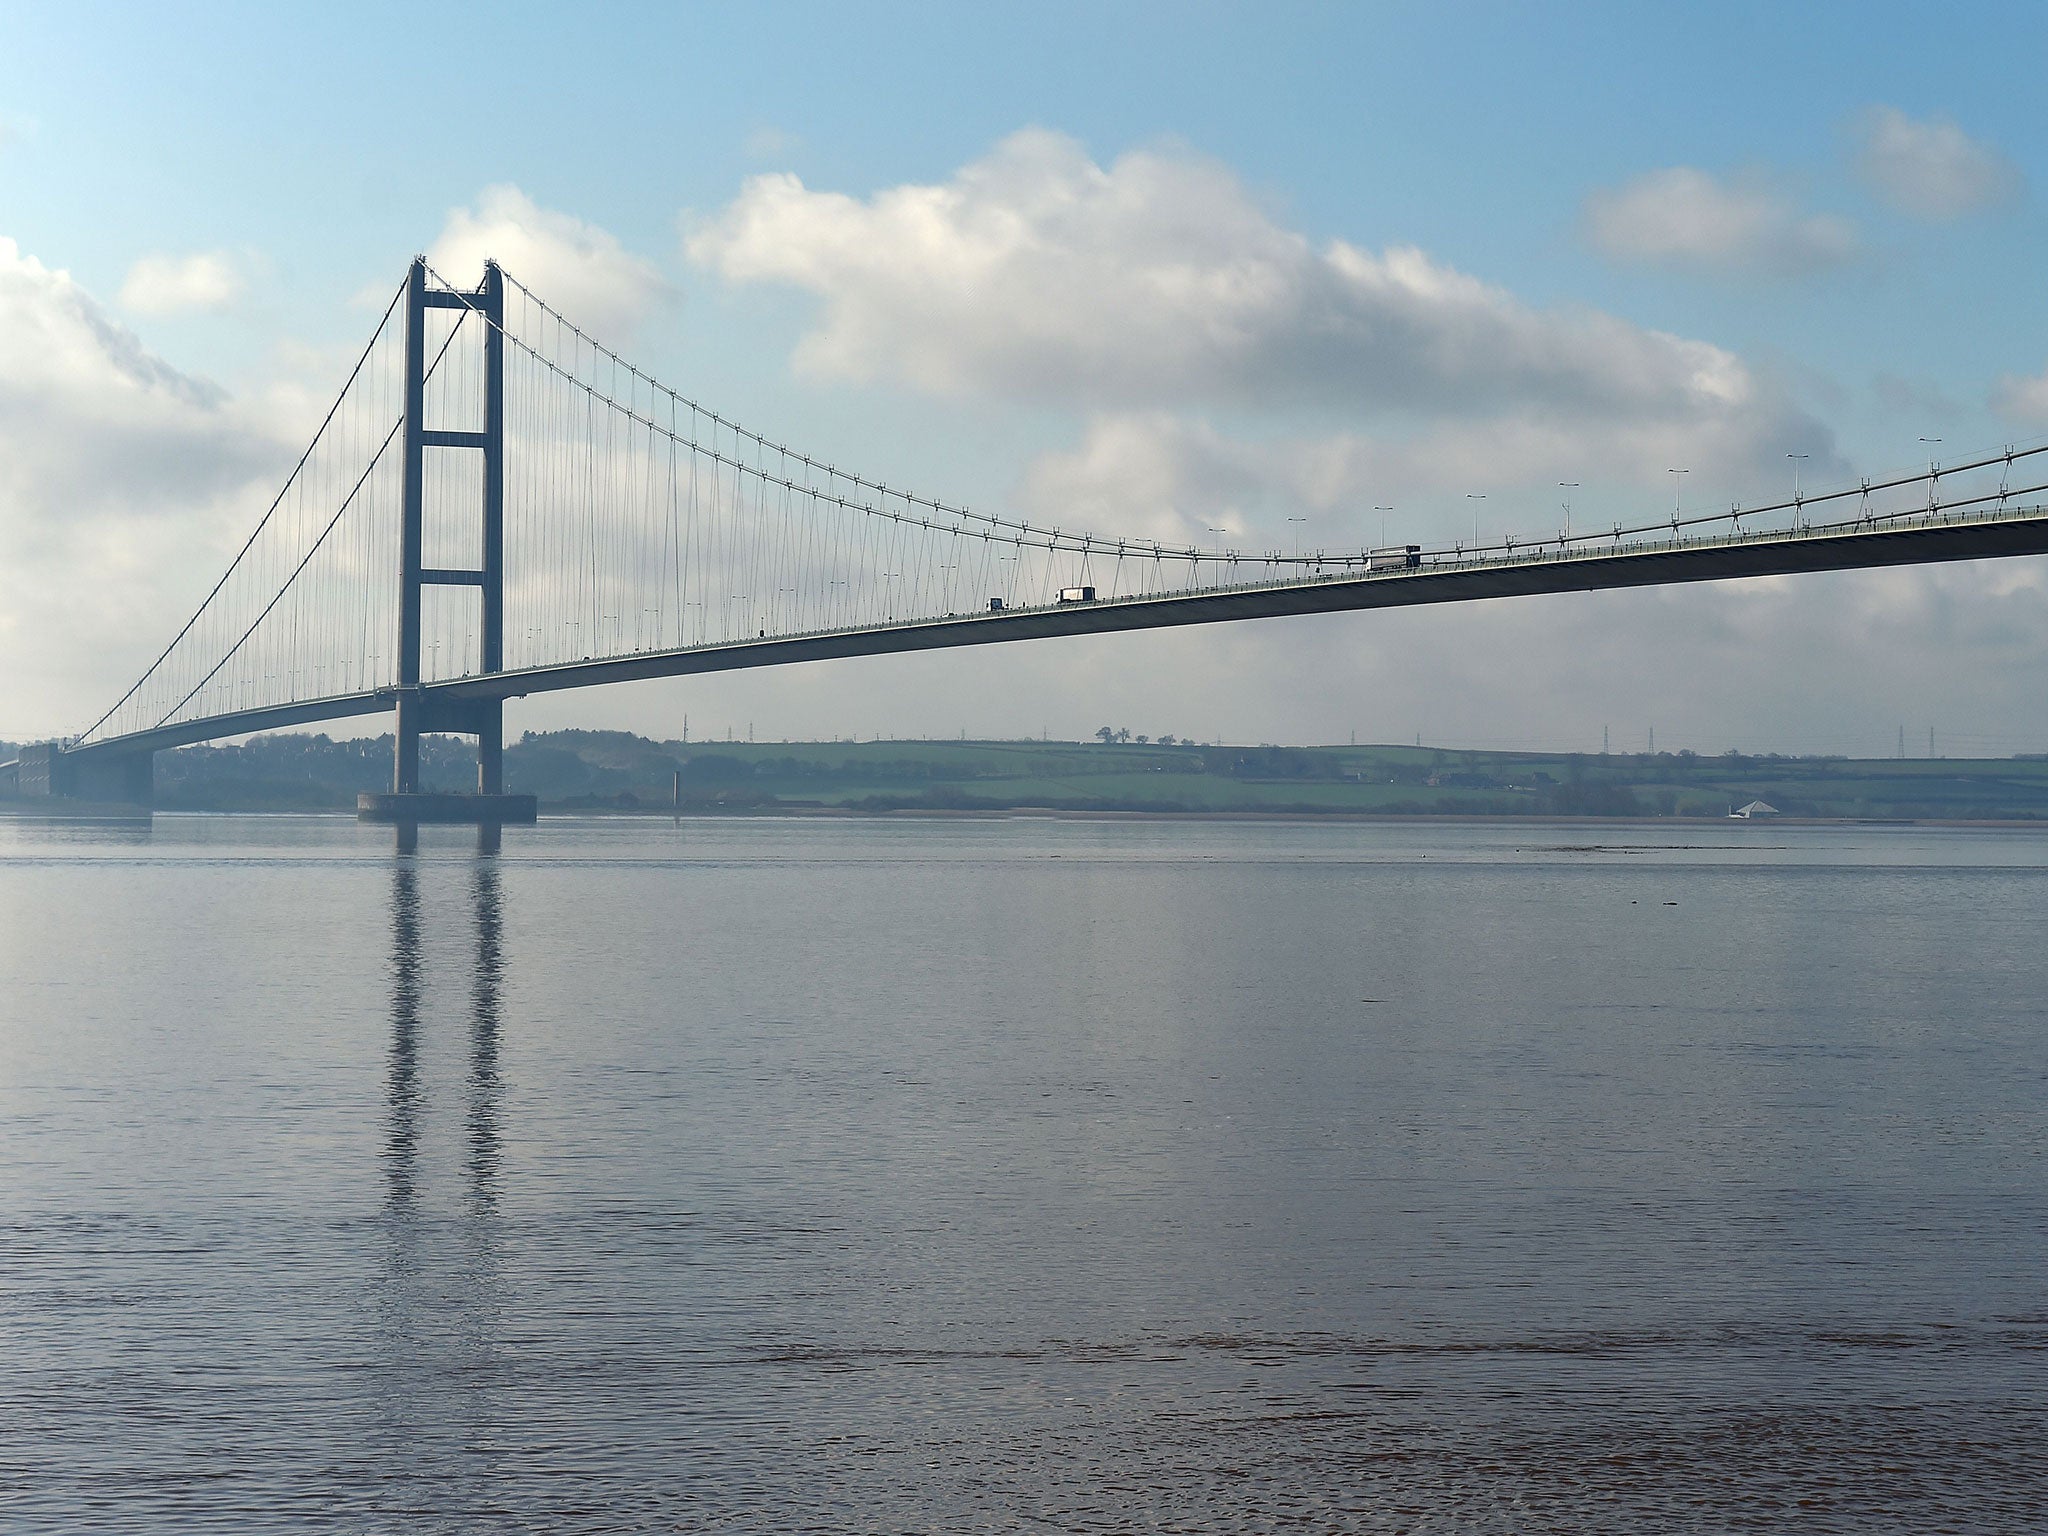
(1933, 477)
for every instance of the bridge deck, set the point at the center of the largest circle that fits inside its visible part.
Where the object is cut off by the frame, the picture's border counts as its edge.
(1919, 541)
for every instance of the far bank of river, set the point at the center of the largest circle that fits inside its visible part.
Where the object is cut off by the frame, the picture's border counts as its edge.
(609, 771)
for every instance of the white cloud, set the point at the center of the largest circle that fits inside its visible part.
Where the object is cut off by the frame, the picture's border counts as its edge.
(1209, 347)
(2023, 400)
(1154, 476)
(166, 285)
(1683, 217)
(1158, 475)
(92, 420)
(580, 269)
(120, 480)
(1930, 169)
(1159, 281)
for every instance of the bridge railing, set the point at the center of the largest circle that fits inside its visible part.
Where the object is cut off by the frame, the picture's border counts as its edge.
(1430, 564)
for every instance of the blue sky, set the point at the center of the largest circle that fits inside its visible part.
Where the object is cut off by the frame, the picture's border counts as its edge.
(305, 153)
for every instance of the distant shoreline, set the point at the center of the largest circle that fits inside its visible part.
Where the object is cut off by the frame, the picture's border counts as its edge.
(617, 773)
(83, 811)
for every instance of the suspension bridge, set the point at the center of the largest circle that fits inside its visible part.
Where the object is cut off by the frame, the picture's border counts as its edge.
(498, 505)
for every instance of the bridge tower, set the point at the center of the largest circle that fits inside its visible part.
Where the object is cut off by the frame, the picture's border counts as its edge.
(419, 711)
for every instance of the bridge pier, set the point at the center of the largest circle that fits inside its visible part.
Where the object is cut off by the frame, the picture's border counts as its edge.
(45, 771)
(420, 714)
(405, 767)
(490, 748)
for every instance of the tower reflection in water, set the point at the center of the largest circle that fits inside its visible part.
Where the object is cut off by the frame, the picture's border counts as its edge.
(439, 1300)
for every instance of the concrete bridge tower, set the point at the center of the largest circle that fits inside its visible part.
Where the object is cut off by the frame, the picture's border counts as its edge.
(418, 711)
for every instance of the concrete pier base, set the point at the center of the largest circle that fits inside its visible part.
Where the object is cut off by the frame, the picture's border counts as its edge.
(43, 772)
(460, 810)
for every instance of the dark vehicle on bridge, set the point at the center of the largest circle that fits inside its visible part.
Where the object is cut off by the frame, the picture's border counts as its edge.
(1077, 594)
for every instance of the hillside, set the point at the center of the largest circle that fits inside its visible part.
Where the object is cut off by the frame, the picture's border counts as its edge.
(616, 771)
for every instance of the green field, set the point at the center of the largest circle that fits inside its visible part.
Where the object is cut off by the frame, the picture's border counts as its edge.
(614, 771)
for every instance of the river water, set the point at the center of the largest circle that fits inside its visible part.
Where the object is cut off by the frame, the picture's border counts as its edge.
(1022, 1175)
